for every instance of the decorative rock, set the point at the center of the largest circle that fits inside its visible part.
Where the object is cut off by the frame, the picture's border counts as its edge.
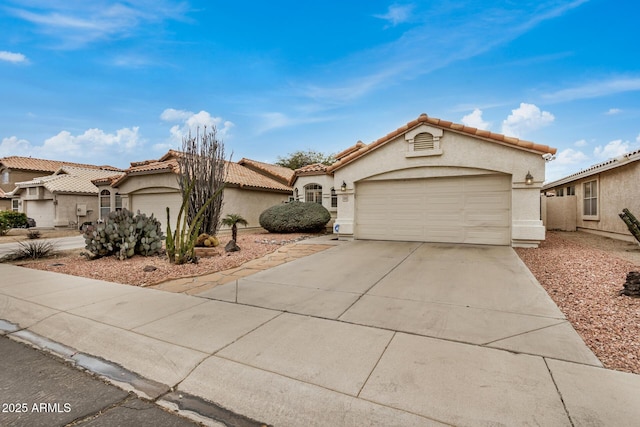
(149, 268)
(232, 246)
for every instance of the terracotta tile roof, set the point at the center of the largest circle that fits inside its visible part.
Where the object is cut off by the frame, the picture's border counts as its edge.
(344, 153)
(244, 177)
(280, 173)
(42, 165)
(69, 179)
(148, 166)
(315, 169)
(484, 134)
(237, 174)
(310, 170)
(107, 180)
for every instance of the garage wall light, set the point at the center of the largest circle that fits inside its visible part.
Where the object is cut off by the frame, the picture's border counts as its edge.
(343, 187)
(528, 180)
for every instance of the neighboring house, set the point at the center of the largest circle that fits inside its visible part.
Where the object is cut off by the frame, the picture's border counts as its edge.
(151, 186)
(5, 201)
(14, 169)
(65, 198)
(591, 199)
(436, 181)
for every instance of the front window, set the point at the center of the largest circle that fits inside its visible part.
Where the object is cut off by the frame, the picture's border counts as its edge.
(15, 203)
(590, 199)
(5, 177)
(560, 192)
(118, 202)
(313, 193)
(334, 198)
(105, 203)
(571, 190)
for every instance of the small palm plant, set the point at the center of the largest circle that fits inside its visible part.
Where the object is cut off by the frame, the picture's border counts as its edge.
(232, 220)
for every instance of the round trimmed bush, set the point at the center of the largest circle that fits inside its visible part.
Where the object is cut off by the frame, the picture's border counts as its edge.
(295, 217)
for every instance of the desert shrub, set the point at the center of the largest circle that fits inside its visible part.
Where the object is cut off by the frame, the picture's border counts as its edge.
(33, 234)
(124, 235)
(4, 226)
(14, 219)
(295, 217)
(34, 249)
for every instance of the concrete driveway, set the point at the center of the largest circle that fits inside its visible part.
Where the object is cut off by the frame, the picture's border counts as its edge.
(482, 295)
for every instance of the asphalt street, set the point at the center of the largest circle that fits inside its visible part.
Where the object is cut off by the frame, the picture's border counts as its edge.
(37, 389)
(61, 243)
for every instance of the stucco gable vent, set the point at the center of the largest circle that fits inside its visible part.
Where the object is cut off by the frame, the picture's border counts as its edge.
(423, 141)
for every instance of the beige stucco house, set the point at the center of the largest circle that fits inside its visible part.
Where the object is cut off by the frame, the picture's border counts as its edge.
(65, 198)
(151, 186)
(436, 181)
(590, 200)
(14, 169)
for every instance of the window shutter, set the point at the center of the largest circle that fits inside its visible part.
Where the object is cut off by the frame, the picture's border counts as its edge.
(423, 141)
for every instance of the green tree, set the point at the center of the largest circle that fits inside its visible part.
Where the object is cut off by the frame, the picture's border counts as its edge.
(232, 220)
(299, 159)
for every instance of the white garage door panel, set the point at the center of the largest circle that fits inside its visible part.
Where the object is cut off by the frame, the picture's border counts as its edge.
(458, 210)
(156, 204)
(42, 211)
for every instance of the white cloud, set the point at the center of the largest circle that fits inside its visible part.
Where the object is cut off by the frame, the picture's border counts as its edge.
(527, 117)
(613, 111)
(580, 143)
(638, 138)
(190, 121)
(12, 146)
(277, 120)
(12, 57)
(569, 156)
(613, 149)
(91, 143)
(595, 89)
(474, 119)
(397, 14)
(82, 23)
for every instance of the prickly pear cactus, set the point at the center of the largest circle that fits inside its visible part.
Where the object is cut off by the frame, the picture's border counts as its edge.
(150, 235)
(97, 240)
(124, 235)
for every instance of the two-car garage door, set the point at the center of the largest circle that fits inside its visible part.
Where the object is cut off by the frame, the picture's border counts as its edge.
(467, 209)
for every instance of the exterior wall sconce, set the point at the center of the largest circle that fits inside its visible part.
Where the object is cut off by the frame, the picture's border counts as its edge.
(528, 180)
(343, 187)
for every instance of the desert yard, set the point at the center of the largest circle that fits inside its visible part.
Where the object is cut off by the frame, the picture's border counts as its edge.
(583, 273)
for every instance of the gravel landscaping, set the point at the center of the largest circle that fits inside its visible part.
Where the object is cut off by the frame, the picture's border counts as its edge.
(146, 271)
(583, 273)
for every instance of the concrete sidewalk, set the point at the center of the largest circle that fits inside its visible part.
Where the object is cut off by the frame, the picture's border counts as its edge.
(306, 345)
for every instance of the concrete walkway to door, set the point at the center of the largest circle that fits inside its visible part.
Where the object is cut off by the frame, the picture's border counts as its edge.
(364, 333)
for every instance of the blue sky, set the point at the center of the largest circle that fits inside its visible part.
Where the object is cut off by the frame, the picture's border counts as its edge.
(112, 82)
